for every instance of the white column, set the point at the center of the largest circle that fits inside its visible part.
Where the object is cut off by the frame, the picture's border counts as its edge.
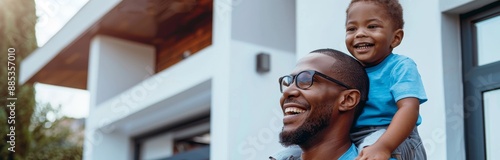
(115, 65)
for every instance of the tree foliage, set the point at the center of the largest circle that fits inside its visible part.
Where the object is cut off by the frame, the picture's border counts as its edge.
(59, 139)
(17, 30)
(35, 137)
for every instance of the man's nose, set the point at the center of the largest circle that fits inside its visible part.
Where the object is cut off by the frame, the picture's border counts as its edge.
(291, 91)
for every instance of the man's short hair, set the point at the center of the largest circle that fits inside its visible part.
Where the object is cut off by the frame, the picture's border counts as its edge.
(349, 71)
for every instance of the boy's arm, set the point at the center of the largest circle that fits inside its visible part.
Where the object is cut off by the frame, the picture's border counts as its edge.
(400, 128)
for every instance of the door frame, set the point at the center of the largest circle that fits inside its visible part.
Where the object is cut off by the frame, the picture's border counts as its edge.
(477, 80)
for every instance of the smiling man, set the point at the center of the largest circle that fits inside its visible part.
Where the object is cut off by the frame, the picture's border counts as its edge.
(320, 101)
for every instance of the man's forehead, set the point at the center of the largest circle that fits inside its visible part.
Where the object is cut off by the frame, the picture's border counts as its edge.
(315, 61)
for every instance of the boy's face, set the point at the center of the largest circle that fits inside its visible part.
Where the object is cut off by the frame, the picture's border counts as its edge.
(370, 33)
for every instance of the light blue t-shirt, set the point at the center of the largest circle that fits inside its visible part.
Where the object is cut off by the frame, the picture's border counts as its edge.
(350, 154)
(395, 78)
(294, 153)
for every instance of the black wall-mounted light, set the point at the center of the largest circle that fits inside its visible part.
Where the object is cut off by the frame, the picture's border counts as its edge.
(263, 62)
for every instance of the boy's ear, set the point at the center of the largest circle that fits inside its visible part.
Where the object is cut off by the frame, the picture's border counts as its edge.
(350, 99)
(398, 37)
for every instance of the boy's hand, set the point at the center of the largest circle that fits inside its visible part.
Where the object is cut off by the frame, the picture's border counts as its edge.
(374, 153)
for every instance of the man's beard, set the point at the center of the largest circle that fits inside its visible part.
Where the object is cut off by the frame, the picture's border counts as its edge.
(315, 123)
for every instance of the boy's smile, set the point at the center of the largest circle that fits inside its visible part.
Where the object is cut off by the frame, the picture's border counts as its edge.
(363, 47)
(370, 33)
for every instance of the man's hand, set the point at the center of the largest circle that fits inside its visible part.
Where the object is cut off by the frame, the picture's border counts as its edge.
(374, 152)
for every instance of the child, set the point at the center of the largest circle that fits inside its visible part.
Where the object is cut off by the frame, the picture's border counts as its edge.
(386, 128)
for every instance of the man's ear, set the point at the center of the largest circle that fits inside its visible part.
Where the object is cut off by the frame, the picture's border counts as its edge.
(350, 99)
(398, 37)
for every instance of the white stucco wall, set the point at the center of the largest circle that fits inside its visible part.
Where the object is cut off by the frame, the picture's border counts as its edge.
(116, 65)
(320, 25)
(264, 22)
(255, 116)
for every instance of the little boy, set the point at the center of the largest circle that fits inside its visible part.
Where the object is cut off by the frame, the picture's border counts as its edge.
(387, 126)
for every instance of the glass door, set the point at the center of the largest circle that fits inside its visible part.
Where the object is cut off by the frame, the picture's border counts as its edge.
(491, 103)
(481, 76)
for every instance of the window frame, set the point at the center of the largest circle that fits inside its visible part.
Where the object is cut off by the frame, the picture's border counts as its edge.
(476, 79)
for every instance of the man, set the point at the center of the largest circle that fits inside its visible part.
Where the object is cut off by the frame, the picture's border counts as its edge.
(320, 101)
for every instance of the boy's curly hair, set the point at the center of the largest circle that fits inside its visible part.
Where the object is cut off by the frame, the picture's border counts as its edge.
(392, 7)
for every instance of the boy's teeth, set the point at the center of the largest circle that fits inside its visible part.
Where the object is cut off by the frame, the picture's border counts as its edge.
(294, 110)
(363, 46)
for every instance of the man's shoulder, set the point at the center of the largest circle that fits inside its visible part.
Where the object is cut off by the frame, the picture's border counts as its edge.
(350, 154)
(294, 153)
(290, 153)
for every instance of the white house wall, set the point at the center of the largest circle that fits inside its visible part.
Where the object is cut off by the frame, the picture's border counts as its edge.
(255, 116)
(320, 25)
(221, 43)
(453, 88)
(264, 22)
(116, 65)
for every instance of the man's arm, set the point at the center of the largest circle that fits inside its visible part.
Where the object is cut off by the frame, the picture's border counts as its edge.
(400, 128)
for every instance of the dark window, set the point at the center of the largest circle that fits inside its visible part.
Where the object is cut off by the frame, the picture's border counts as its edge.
(188, 139)
(480, 30)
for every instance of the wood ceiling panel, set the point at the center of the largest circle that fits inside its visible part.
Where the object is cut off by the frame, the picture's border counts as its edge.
(172, 26)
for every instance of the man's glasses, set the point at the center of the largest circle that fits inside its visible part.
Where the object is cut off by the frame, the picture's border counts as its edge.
(304, 80)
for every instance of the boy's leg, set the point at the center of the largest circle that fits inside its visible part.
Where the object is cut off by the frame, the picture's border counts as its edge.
(363, 137)
(371, 139)
(360, 134)
(411, 149)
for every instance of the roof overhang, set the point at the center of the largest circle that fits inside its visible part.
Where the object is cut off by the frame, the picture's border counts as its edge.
(64, 59)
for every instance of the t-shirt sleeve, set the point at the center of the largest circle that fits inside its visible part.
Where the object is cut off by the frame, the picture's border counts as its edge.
(406, 81)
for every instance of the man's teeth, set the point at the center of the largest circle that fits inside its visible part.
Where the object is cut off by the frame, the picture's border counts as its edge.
(293, 110)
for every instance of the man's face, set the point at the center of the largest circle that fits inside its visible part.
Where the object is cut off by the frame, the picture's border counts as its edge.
(308, 112)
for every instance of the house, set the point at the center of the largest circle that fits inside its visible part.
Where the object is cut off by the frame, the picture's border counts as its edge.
(197, 79)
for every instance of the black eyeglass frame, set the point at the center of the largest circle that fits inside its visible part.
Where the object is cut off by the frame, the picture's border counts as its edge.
(313, 73)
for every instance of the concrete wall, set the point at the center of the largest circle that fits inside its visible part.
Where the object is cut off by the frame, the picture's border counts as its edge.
(264, 22)
(255, 116)
(116, 65)
(320, 25)
(242, 99)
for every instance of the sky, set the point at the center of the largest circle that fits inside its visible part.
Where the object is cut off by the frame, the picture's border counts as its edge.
(52, 16)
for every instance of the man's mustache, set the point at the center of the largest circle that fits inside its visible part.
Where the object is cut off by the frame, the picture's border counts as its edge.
(293, 100)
